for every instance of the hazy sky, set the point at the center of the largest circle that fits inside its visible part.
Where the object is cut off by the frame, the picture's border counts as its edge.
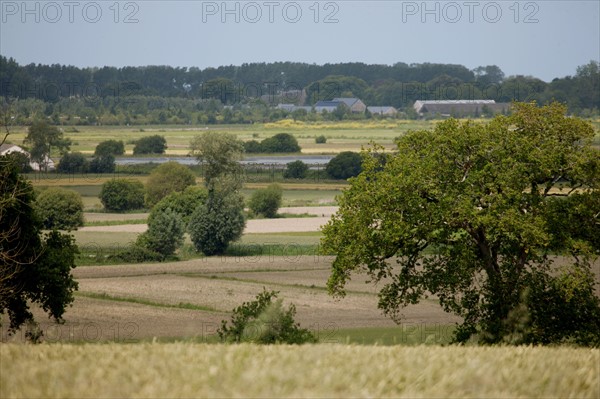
(546, 39)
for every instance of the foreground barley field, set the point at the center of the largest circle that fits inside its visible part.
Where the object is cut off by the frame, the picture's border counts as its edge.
(180, 370)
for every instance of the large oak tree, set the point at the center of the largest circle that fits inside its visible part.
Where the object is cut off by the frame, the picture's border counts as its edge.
(477, 215)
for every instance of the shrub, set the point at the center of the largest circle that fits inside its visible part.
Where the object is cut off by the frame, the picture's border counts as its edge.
(110, 147)
(281, 142)
(321, 139)
(266, 201)
(167, 178)
(120, 195)
(136, 254)
(557, 309)
(103, 164)
(252, 147)
(60, 209)
(295, 170)
(263, 321)
(183, 203)
(150, 145)
(344, 165)
(216, 223)
(73, 162)
(165, 233)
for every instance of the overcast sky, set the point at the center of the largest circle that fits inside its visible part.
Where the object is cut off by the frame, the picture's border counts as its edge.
(546, 39)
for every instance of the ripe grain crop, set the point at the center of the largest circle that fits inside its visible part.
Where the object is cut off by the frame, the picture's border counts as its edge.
(179, 370)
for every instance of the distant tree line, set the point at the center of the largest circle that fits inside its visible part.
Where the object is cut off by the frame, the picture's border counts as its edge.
(246, 94)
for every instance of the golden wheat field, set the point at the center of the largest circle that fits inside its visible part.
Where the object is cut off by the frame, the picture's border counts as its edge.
(186, 370)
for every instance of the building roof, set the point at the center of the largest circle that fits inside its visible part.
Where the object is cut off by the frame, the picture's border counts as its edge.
(333, 103)
(428, 105)
(6, 147)
(347, 100)
(381, 110)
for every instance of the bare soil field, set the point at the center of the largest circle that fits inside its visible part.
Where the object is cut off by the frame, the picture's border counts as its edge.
(189, 299)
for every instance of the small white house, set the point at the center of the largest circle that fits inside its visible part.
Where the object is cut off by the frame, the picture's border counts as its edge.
(6, 149)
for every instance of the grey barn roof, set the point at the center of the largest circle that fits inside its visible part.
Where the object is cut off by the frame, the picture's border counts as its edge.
(458, 107)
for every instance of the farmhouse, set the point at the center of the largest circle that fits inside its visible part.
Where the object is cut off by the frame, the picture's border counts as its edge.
(6, 149)
(355, 105)
(328, 106)
(384, 111)
(459, 108)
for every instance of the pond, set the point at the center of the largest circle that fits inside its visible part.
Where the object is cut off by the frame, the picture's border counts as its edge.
(253, 160)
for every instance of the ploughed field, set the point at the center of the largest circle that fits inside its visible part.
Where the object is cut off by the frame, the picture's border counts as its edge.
(188, 300)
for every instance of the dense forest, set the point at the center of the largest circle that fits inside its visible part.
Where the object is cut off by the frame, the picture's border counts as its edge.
(248, 93)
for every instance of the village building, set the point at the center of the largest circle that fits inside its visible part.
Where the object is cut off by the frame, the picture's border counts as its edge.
(355, 105)
(6, 149)
(459, 108)
(383, 111)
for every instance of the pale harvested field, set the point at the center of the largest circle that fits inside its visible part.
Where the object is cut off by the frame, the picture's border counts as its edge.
(323, 211)
(323, 214)
(286, 225)
(110, 217)
(185, 370)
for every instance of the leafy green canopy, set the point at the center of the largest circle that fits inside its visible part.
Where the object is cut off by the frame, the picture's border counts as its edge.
(169, 177)
(120, 195)
(110, 147)
(181, 202)
(468, 213)
(266, 201)
(149, 145)
(73, 162)
(42, 138)
(34, 267)
(60, 208)
(220, 155)
(165, 233)
(344, 165)
(217, 222)
(295, 170)
(264, 321)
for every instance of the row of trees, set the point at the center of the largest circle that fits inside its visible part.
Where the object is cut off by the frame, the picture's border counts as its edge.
(179, 96)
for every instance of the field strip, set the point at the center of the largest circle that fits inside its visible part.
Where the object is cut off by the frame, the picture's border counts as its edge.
(216, 264)
(180, 305)
(286, 371)
(323, 211)
(287, 225)
(106, 217)
(321, 288)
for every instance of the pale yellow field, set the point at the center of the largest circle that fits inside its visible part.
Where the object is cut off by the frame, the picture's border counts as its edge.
(185, 370)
